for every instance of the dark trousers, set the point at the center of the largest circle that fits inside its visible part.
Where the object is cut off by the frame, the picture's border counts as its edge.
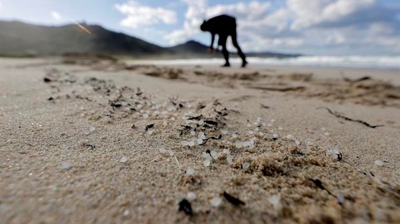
(222, 42)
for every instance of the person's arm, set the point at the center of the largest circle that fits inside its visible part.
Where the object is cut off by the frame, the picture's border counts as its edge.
(212, 41)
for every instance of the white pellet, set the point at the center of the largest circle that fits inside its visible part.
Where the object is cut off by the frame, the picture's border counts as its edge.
(123, 159)
(379, 162)
(66, 165)
(290, 137)
(214, 155)
(216, 201)
(229, 159)
(191, 196)
(190, 171)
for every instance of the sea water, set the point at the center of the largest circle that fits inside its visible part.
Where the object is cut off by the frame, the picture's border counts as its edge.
(377, 62)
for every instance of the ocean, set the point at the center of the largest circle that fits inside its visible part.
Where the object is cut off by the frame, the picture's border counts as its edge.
(387, 62)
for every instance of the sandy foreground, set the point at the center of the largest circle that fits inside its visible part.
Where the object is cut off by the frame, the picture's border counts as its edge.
(99, 141)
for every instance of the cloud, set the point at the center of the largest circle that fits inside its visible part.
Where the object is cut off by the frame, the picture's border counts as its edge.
(337, 13)
(177, 36)
(194, 16)
(351, 26)
(56, 16)
(333, 26)
(314, 27)
(240, 10)
(198, 11)
(335, 38)
(139, 15)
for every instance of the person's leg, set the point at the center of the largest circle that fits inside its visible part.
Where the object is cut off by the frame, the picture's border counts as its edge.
(240, 52)
(225, 52)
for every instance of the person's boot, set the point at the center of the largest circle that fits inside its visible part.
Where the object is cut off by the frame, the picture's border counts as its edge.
(225, 52)
(244, 63)
(226, 65)
(243, 57)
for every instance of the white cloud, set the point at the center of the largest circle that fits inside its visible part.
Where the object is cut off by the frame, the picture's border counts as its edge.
(246, 11)
(311, 27)
(177, 36)
(258, 43)
(384, 34)
(288, 42)
(335, 38)
(264, 28)
(339, 26)
(294, 42)
(342, 8)
(270, 24)
(56, 16)
(140, 15)
(319, 11)
(306, 14)
(278, 19)
(194, 16)
(379, 28)
(198, 11)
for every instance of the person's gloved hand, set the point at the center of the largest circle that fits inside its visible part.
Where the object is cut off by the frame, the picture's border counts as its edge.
(213, 50)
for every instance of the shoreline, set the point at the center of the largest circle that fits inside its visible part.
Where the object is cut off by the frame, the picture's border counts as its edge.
(261, 62)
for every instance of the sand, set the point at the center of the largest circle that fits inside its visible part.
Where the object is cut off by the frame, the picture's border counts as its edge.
(101, 141)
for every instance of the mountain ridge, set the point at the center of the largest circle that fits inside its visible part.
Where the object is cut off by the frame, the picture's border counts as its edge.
(20, 38)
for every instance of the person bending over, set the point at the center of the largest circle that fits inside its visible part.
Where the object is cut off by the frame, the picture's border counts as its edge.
(223, 26)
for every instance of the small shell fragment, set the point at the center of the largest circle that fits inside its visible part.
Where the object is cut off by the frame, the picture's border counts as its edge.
(379, 162)
(291, 137)
(66, 165)
(190, 171)
(191, 196)
(216, 201)
(229, 159)
(123, 159)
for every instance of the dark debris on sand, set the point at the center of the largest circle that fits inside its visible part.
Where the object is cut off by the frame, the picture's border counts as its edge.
(233, 200)
(186, 207)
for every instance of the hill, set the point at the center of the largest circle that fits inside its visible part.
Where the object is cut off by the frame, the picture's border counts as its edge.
(189, 47)
(18, 38)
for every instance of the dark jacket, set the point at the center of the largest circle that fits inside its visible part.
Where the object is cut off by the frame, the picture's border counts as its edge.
(222, 25)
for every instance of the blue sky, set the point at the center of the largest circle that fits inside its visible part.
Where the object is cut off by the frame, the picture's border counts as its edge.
(321, 27)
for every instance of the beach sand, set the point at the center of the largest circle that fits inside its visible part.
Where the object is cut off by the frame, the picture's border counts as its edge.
(101, 141)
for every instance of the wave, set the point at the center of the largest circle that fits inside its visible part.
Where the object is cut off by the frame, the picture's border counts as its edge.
(388, 62)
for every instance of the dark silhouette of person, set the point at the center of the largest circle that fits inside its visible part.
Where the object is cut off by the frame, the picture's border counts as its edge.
(224, 26)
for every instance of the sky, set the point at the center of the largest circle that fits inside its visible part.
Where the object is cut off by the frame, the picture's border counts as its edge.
(317, 27)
